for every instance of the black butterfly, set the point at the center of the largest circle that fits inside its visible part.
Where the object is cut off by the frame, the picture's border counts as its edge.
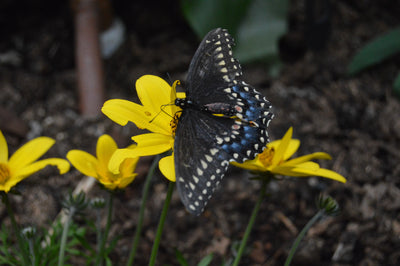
(223, 119)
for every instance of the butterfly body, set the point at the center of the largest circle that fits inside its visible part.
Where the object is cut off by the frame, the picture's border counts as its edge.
(213, 108)
(223, 119)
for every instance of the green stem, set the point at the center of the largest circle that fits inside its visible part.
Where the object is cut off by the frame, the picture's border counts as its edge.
(65, 236)
(139, 225)
(303, 232)
(32, 251)
(161, 224)
(100, 255)
(98, 229)
(251, 222)
(16, 229)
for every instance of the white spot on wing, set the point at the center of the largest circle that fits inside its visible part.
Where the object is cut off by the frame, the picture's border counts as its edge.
(203, 164)
(213, 151)
(199, 171)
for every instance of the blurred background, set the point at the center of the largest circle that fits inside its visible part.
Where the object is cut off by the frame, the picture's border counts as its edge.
(330, 69)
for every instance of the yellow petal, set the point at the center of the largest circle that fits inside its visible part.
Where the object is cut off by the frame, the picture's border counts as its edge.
(62, 165)
(123, 111)
(153, 92)
(286, 170)
(313, 166)
(181, 95)
(153, 140)
(108, 185)
(3, 149)
(252, 165)
(118, 158)
(322, 172)
(159, 99)
(83, 162)
(128, 166)
(106, 146)
(6, 186)
(125, 181)
(309, 157)
(172, 108)
(293, 146)
(167, 167)
(30, 152)
(280, 151)
(290, 170)
(20, 174)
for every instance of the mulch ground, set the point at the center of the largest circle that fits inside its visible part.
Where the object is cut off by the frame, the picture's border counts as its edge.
(354, 119)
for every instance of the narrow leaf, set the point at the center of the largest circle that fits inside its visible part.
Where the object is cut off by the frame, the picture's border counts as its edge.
(206, 260)
(258, 34)
(396, 86)
(205, 15)
(376, 51)
(181, 259)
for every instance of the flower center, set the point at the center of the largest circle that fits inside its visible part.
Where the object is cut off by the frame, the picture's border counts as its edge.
(266, 156)
(105, 175)
(4, 173)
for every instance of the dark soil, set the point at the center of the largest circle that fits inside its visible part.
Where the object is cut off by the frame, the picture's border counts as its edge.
(354, 119)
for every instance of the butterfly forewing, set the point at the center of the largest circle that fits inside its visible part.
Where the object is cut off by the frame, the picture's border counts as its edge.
(213, 68)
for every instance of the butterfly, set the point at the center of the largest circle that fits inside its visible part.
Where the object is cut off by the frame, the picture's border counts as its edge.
(223, 119)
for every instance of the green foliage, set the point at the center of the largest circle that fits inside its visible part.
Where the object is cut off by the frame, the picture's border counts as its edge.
(8, 255)
(396, 86)
(256, 25)
(181, 259)
(206, 260)
(208, 14)
(376, 51)
(183, 262)
(45, 246)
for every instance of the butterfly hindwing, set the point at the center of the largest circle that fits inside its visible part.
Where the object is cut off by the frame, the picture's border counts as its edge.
(200, 162)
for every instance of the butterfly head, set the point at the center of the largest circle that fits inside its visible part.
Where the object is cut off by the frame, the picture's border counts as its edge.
(182, 102)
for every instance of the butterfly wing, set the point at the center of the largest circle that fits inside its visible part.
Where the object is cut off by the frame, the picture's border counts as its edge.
(213, 68)
(203, 148)
(206, 143)
(215, 76)
(200, 164)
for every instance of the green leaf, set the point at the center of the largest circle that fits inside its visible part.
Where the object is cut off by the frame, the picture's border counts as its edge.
(396, 86)
(108, 262)
(256, 25)
(181, 259)
(112, 245)
(376, 51)
(206, 260)
(205, 15)
(259, 33)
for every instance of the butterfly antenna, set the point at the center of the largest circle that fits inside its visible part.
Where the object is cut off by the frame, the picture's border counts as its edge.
(174, 84)
(162, 110)
(169, 78)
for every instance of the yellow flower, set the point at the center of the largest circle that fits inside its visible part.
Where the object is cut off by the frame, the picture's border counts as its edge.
(156, 114)
(98, 167)
(23, 162)
(276, 160)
